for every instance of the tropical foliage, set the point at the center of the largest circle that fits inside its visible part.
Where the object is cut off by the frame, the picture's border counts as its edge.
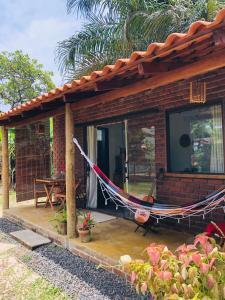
(60, 216)
(194, 272)
(115, 28)
(21, 78)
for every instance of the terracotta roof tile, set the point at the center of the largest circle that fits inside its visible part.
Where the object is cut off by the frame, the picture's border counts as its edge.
(121, 62)
(85, 79)
(108, 69)
(137, 55)
(174, 39)
(75, 83)
(96, 74)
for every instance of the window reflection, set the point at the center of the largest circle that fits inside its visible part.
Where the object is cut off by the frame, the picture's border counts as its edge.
(141, 158)
(204, 151)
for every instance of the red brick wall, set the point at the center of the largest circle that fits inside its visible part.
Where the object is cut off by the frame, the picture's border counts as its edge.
(59, 148)
(176, 95)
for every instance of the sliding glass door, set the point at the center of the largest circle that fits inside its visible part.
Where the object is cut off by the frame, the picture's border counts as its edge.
(125, 152)
(140, 157)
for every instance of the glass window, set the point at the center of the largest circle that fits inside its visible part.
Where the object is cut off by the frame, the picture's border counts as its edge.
(196, 140)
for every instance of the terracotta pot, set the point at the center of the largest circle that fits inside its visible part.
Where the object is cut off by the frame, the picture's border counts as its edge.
(62, 228)
(85, 235)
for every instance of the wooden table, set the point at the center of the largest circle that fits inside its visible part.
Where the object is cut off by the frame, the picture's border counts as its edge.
(49, 184)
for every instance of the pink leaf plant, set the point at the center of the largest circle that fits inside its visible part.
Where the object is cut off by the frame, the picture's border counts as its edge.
(192, 272)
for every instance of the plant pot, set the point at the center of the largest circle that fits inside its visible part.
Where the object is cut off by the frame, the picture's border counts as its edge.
(62, 228)
(85, 235)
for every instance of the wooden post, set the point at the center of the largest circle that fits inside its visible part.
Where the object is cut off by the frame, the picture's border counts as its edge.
(70, 173)
(5, 168)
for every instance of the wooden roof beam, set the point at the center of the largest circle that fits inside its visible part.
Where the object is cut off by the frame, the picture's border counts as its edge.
(219, 38)
(17, 121)
(116, 83)
(5, 122)
(74, 97)
(29, 113)
(51, 105)
(204, 65)
(154, 68)
(12, 119)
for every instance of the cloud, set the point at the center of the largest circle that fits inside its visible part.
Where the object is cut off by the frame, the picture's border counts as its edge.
(39, 40)
(35, 27)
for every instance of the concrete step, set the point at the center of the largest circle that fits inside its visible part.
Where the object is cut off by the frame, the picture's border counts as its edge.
(30, 239)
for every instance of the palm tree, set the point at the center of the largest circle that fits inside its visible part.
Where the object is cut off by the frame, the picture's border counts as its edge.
(116, 28)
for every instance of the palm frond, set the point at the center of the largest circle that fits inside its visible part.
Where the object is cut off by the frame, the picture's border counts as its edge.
(97, 37)
(82, 6)
(88, 7)
(115, 28)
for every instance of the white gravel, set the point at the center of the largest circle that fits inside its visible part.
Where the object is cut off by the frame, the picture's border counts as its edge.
(73, 275)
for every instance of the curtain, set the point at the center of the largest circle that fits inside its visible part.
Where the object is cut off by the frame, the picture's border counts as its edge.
(91, 178)
(217, 161)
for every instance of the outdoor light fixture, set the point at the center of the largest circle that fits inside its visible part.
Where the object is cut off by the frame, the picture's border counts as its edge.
(197, 92)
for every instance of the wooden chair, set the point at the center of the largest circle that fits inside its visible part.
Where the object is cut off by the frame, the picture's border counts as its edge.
(39, 192)
(61, 196)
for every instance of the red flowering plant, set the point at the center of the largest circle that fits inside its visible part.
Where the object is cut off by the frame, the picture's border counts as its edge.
(193, 272)
(87, 221)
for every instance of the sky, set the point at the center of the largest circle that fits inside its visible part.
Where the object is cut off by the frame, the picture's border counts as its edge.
(35, 27)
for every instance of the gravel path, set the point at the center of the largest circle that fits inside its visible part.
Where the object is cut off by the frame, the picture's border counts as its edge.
(76, 277)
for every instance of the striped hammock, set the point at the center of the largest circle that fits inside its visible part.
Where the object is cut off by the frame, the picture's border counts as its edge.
(111, 192)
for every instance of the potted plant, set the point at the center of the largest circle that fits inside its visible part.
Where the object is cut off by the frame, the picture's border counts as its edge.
(60, 218)
(85, 227)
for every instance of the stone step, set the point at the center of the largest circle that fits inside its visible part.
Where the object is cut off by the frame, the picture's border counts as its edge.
(29, 238)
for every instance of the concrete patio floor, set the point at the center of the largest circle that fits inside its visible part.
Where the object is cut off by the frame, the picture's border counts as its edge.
(111, 239)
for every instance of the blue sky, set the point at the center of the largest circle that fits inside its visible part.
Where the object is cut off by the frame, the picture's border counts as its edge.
(35, 27)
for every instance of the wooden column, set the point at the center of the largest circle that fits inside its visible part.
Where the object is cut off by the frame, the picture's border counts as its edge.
(5, 168)
(70, 173)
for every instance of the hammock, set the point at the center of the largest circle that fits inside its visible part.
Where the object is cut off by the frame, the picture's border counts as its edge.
(111, 192)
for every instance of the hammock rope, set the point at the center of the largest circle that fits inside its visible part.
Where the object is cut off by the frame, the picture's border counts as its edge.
(120, 198)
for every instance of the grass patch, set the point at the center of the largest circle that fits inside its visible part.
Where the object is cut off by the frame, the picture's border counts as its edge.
(17, 282)
(41, 290)
(25, 258)
(140, 188)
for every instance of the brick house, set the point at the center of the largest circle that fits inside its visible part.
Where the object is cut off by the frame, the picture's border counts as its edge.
(137, 120)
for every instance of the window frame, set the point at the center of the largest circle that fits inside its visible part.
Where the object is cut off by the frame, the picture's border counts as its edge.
(183, 109)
